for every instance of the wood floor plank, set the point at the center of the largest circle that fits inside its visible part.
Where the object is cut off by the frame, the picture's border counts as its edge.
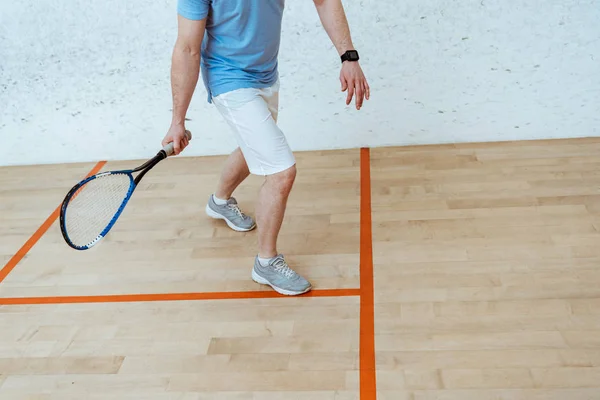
(212, 395)
(60, 365)
(260, 381)
(444, 341)
(488, 359)
(487, 378)
(568, 377)
(491, 394)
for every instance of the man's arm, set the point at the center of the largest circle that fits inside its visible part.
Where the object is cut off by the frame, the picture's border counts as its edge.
(185, 70)
(333, 18)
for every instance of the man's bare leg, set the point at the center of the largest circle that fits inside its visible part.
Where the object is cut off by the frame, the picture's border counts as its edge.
(270, 267)
(270, 210)
(222, 205)
(235, 171)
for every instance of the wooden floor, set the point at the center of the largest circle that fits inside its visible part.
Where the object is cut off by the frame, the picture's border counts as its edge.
(456, 272)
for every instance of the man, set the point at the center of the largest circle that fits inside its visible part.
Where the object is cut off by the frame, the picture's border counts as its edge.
(235, 44)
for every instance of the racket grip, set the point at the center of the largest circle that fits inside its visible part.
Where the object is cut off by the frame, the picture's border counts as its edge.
(169, 148)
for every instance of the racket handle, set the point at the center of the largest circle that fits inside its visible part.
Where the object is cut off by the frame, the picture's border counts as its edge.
(169, 148)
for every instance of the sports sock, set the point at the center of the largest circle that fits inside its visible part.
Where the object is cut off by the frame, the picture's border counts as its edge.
(218, 201)
(264, 261)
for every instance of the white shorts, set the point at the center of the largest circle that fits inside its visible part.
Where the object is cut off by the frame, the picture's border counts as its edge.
(252, 115)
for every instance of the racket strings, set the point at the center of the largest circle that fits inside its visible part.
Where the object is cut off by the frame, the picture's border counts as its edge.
(93, 207)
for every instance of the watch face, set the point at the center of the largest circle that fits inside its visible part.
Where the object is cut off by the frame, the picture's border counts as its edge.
(350, 55)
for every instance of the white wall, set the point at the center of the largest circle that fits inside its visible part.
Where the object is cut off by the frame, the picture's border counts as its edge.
(84, 80)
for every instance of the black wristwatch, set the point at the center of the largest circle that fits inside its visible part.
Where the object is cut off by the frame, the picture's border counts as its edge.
(350, 55)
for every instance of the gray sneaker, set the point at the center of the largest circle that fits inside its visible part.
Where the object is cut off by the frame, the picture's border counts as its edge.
(231, 213)
(280, 277)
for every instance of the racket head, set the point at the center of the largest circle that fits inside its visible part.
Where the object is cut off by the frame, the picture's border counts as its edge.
(91, 208)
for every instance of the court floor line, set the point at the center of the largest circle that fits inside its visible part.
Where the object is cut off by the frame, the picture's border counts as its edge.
(367, 382)
(12, 263)
(150, 297)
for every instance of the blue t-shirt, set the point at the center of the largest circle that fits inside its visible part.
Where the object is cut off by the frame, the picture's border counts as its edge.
(241, 42)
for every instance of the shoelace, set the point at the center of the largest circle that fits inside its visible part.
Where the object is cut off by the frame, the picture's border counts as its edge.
(282, 267)
(237, 210)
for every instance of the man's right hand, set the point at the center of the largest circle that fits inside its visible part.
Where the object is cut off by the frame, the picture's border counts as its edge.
(185, 69)
(176, 134)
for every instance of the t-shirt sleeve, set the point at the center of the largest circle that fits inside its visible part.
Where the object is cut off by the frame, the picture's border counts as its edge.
(193, 9)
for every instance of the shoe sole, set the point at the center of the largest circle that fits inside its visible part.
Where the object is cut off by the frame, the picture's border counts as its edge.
(259, 279)
(213, 214)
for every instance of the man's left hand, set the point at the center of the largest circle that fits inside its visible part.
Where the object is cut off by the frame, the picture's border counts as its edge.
(353, 80)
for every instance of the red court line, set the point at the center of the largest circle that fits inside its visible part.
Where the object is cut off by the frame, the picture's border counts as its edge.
(128, 298)
(12, 263)
(368, 390)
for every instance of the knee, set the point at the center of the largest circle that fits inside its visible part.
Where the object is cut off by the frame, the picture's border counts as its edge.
(284, 180)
